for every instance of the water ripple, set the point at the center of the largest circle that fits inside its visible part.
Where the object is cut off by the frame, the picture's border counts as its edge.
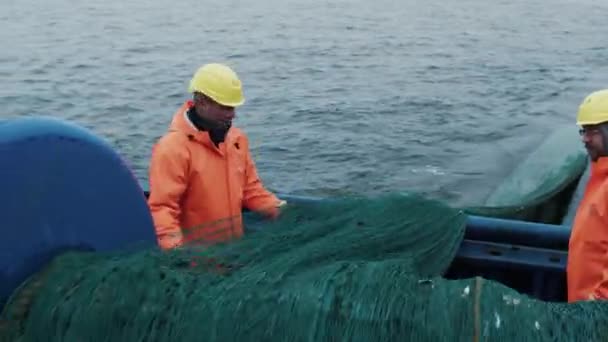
(342, 96)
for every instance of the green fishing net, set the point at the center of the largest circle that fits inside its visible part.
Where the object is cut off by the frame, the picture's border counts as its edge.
(539, 189)
(345, 270)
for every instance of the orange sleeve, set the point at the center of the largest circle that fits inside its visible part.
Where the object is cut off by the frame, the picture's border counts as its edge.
(600, 290)
(168, 181)
(256, 197)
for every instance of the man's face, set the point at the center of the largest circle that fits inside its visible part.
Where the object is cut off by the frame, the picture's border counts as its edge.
(214, 112)
(593, 140)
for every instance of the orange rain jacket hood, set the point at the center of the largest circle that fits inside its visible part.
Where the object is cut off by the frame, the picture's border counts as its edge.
(587, 269)
(198, 190)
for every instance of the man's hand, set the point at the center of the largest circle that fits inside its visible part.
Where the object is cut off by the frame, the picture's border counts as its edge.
(274, 211)
(277, 212)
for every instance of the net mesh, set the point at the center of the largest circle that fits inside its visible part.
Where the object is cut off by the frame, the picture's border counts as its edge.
(540, 187)
(353, 270)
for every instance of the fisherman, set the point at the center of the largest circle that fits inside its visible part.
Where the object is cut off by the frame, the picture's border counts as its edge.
(201, 171)
(587, 270)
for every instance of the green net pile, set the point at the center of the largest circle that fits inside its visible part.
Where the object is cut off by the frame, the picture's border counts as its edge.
(346, 270)
(539, 189)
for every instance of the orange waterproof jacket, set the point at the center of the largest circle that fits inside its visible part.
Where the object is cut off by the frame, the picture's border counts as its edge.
(198, 190)
(587, 269)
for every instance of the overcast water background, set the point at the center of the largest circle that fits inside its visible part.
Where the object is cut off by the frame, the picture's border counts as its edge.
(439, 97)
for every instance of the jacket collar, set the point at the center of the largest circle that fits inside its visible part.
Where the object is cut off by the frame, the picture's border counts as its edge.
(599, 168)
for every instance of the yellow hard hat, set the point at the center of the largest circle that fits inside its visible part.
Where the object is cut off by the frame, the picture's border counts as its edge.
(220, 83)
(594, 109)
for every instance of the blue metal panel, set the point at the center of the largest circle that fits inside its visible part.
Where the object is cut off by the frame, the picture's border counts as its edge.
(518, 257)
(63, 189)
(537, 272)
(518, 232)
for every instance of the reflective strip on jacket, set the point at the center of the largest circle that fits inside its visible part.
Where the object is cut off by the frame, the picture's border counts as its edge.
(587, 269)
(198, 190)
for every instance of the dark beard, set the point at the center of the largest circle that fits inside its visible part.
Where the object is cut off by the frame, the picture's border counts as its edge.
(217, 131)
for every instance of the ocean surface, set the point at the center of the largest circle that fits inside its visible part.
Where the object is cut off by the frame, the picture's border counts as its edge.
(444, 98)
